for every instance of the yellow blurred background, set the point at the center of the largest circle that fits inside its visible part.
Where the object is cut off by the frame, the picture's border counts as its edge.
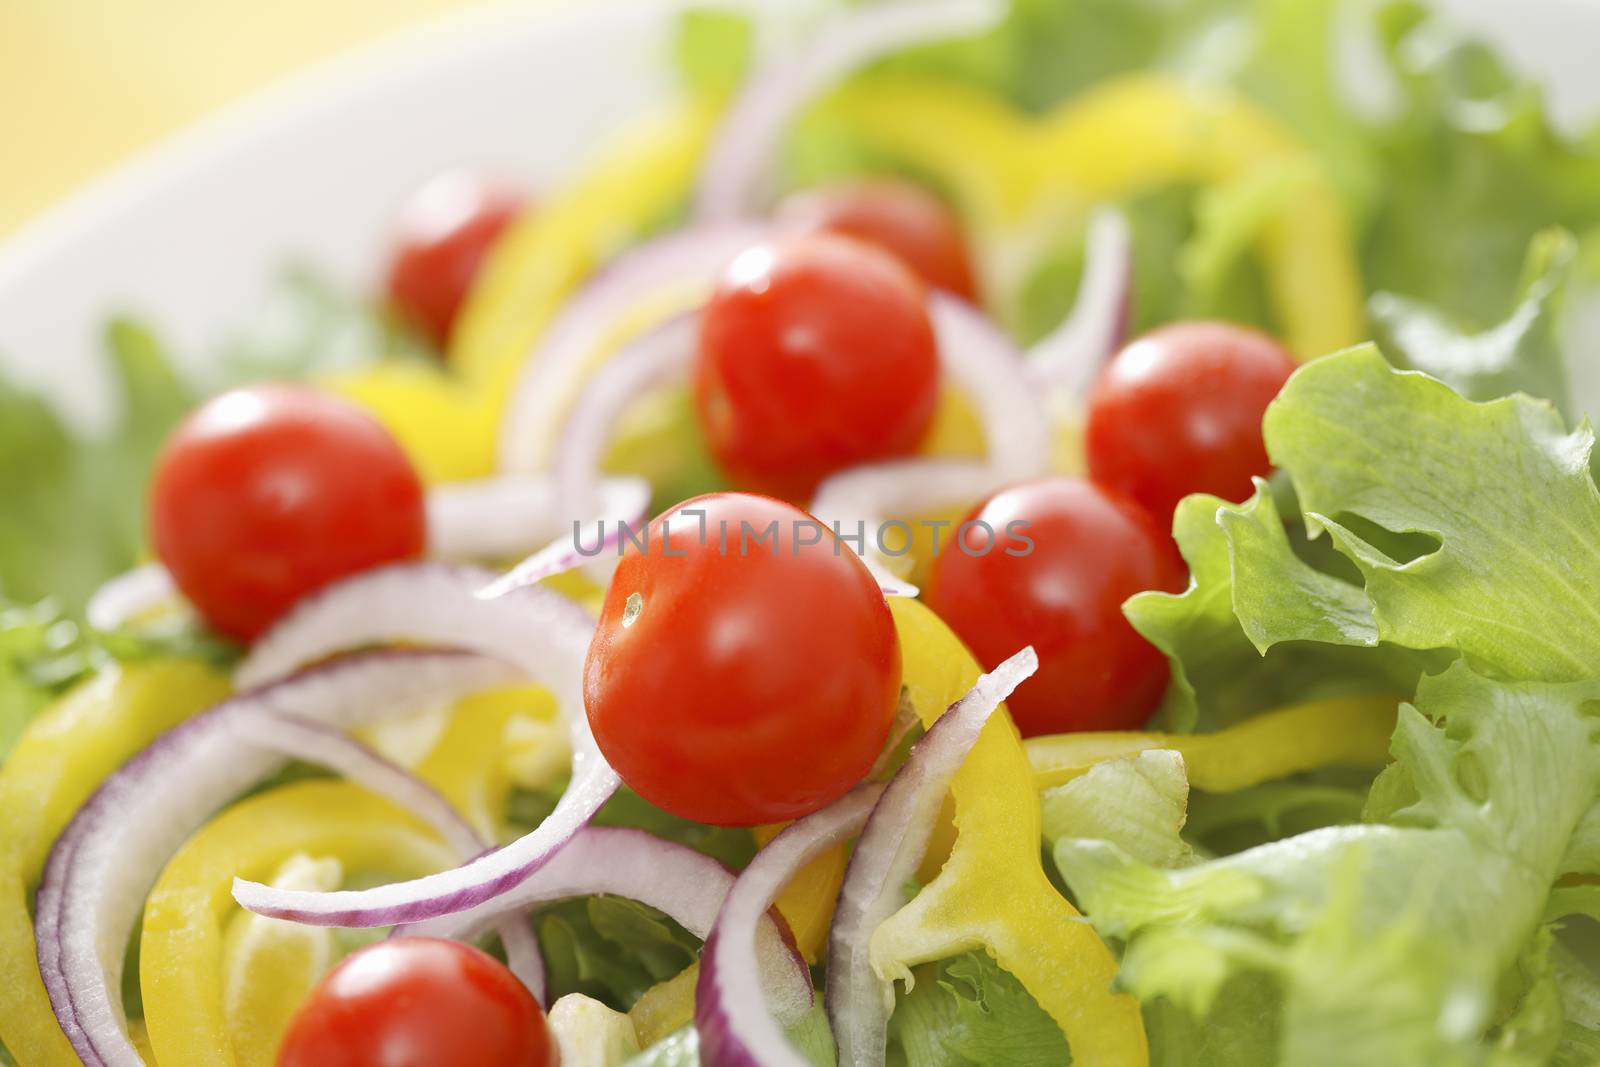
(86, 83)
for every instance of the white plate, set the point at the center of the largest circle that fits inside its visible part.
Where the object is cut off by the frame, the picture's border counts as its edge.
(188, 235)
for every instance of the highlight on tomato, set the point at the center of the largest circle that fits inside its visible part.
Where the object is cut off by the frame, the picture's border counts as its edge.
(1074, 551)
(745, 669)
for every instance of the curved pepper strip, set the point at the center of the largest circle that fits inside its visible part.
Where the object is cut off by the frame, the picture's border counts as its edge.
(642, 177)
(189, 912)
(1322, 733)
(180, 951)
(1126, 136)
(64, 755)
(992, 890)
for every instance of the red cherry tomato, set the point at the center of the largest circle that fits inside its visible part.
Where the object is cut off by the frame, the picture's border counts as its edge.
(742, 684)
(418, 1002)
(1058, 584)
(1178, 411)
(816, 353)
(898, 216)
(443, 234)
(265, 494)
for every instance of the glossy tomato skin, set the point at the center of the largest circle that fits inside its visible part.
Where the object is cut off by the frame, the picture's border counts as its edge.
(816, 353)
(1090, 551)
(900, 217)
(265, 494)
(743, 686)
(443, 234)
(418, 1002)
(1178, 411)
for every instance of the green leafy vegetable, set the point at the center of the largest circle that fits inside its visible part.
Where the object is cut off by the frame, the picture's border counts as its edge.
(1139, 804)
(1519, 354)
(74, 510)
(610, 948)
(965, 1012)
(1425, 925)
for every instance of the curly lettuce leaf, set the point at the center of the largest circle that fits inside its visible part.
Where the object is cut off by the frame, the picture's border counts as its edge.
(1408, 927)
(1503, 488)
(1139, 804)
(1455, 529)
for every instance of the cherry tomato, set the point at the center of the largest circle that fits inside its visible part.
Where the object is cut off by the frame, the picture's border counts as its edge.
(418, 1002)
(745, 676)
(443, 234)
(265, 494)
(816, 353)
(1063, 556)
(1178, 411)
(898, 216)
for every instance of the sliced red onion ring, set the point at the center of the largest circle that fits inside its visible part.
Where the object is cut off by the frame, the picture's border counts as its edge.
(735, 180)
(653, 359)
(129, 595)
(1067, 360)
(550, 376)
(432, 603)
(735, 1025)
(886, 857)
(335, 750)
(985, 364)
(510, 513)
(532, 627)
(104, 863)
(686, 885)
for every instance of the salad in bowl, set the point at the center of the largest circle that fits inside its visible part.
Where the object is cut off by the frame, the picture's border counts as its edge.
(975, 533)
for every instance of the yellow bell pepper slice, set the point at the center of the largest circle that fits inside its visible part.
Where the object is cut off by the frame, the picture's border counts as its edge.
(65, 753)
(665, 1007)
(181, 964)
(271, 965)
(1143, 131)
(1018, 176)
(644, 175)
(1322, 733)
(469, 763)
(992, 891)
(448, 428)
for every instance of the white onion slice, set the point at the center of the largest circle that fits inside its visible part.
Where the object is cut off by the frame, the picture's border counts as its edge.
(104, 863)
(1067, 360)
(625, 503)
(886, 857)
(129, 595)
(686, 885)
(508, 514)
(731, 1015)
(978, 358)
(335, 750)
(653, 359)
(735, 180)
(550, 376)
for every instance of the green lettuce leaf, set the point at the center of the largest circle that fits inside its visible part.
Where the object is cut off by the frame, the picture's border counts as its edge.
(1519, 354)
(1138, 804)
(966, 1012)
(1502, 487)
(1454, 529)
(74, 510)
(1410, 927)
